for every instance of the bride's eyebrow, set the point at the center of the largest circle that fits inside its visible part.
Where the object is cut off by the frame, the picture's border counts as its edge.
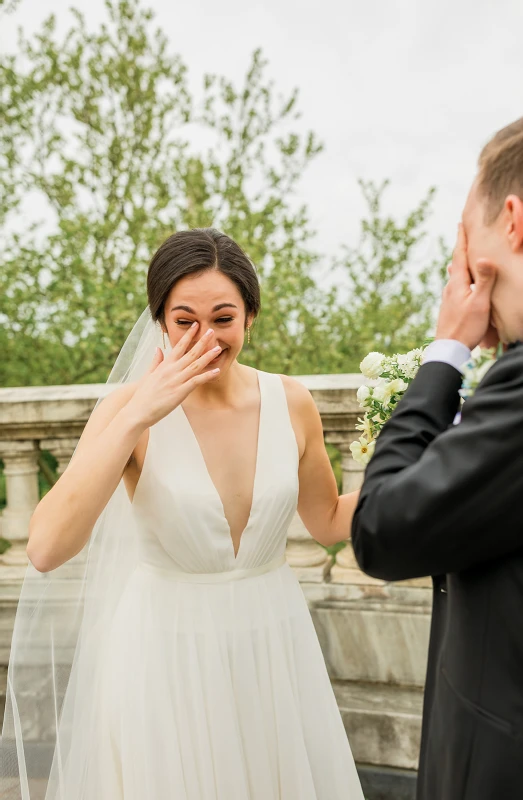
(216, 308)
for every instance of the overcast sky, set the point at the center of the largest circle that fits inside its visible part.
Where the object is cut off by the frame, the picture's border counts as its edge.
(404, 89)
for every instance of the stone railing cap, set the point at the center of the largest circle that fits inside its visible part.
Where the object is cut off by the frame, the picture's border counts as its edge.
(90, 391)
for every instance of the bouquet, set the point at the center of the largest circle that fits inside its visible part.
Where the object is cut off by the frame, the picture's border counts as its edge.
(481, 360)
(393, 375)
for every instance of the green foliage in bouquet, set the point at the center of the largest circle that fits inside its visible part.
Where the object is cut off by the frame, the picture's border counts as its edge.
(391, 376)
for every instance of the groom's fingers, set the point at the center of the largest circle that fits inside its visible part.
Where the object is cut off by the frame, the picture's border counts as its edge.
(464, 314)
(486, 278)
(459, 268)
(491, 338)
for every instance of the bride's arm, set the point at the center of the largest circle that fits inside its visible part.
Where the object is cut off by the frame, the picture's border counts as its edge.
(64, 518)
(326, 515)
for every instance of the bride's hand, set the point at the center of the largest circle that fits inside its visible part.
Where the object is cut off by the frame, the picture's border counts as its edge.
(170, 379)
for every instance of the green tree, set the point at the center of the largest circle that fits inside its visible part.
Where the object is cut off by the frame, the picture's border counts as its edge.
(97, 127)
(391, 298)
(8, 6)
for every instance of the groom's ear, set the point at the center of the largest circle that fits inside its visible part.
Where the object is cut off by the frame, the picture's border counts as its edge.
(514, 222)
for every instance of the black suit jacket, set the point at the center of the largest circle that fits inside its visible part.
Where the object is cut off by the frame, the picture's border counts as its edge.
(439, 499)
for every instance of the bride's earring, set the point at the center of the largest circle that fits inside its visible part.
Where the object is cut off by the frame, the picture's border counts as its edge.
(248, 334)
(163, 339)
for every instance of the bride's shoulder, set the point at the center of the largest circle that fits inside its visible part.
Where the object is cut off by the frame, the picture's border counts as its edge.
(304, 415)
(299, 398)
(295, 389)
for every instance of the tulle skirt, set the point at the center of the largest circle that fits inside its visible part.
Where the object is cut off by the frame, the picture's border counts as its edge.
(214, 692)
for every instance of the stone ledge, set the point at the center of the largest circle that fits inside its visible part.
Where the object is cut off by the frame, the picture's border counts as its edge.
(383, 722)
(375, 645)
(400, 593)
(381, 783)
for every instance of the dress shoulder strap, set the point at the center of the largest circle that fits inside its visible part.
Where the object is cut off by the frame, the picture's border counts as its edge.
(276, 410)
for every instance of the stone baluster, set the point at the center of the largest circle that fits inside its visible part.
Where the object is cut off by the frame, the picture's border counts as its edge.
(21, 477)
(310, 561)
(346, 569)
(61, 449)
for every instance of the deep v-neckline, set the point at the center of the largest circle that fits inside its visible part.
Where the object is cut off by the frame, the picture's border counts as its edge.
(212, 484)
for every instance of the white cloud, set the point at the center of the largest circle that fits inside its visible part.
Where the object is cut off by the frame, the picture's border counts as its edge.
(397, 88)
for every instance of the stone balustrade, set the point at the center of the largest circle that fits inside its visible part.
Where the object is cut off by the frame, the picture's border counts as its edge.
(52, 418)
(373, 634)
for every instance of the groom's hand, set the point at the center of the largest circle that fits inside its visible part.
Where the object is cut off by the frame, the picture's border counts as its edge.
(491, 338)
(465, 308)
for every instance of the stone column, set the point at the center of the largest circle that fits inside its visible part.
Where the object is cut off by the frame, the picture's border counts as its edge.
(346, 569)
(310, 560)
(352, 471)
(21, 476)
(61, 449)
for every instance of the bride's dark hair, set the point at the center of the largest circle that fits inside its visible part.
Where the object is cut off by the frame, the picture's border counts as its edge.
(190, 252)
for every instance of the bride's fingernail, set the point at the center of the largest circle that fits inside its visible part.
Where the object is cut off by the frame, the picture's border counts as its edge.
(194, 324)
(209, 332)
(216, 349)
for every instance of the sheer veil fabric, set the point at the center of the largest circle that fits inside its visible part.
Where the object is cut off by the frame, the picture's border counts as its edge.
(61, 631)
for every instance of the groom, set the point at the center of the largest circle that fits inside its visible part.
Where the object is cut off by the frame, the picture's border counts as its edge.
(447, 501)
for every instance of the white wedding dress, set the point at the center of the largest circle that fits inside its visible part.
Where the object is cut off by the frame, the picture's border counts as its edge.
(214, 686)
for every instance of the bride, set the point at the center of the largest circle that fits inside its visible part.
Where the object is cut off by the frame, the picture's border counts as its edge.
(193, 670)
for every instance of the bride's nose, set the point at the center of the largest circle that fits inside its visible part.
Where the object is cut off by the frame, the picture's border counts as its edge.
(210, 338)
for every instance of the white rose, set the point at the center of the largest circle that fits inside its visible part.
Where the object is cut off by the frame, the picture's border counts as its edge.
(372, 365)
(362, 451)
(362, 394)
(382, 393)
(384, 390)
(409, 363)
(366, 428)
(397, 386)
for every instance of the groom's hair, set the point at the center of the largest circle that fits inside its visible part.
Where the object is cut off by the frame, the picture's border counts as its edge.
(501, 169)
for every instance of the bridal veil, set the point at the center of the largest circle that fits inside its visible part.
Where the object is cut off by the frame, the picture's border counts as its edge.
(61, 631)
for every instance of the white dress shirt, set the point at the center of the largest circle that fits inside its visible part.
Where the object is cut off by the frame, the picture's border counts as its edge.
(449, 351)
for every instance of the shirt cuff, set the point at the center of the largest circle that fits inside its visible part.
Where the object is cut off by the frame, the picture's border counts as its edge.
(449, 351)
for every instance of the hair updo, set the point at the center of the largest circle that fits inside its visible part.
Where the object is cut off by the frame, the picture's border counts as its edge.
(195, 251)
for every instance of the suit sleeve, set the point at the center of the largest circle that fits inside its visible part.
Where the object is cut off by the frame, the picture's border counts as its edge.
(439, 498)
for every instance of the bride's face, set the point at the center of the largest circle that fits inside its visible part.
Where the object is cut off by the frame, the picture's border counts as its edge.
(213, 301)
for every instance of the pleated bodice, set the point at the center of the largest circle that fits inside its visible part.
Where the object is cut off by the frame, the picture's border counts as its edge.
(181, 520)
